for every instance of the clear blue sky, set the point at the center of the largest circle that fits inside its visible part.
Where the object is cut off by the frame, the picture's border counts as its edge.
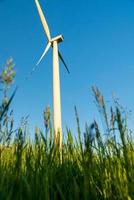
(98, 48)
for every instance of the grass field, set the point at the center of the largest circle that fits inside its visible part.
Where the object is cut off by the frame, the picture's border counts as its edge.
(90, 166)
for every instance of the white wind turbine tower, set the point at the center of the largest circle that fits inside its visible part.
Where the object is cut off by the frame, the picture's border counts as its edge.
(53, 42)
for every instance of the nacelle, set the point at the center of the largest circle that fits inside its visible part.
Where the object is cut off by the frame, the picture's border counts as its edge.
(58, 38)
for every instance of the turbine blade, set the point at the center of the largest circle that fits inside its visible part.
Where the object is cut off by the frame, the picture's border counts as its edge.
(45, 51)
(43, 20)
(61, 58)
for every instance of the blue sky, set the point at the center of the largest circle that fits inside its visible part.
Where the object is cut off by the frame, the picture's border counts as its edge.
(98, 48)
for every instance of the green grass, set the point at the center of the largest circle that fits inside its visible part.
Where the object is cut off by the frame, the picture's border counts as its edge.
(92, 167)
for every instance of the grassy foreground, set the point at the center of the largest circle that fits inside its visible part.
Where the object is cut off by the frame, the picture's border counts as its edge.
(93, 165)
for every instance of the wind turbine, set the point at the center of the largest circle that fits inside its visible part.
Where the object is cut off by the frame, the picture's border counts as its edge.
(53, 42)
